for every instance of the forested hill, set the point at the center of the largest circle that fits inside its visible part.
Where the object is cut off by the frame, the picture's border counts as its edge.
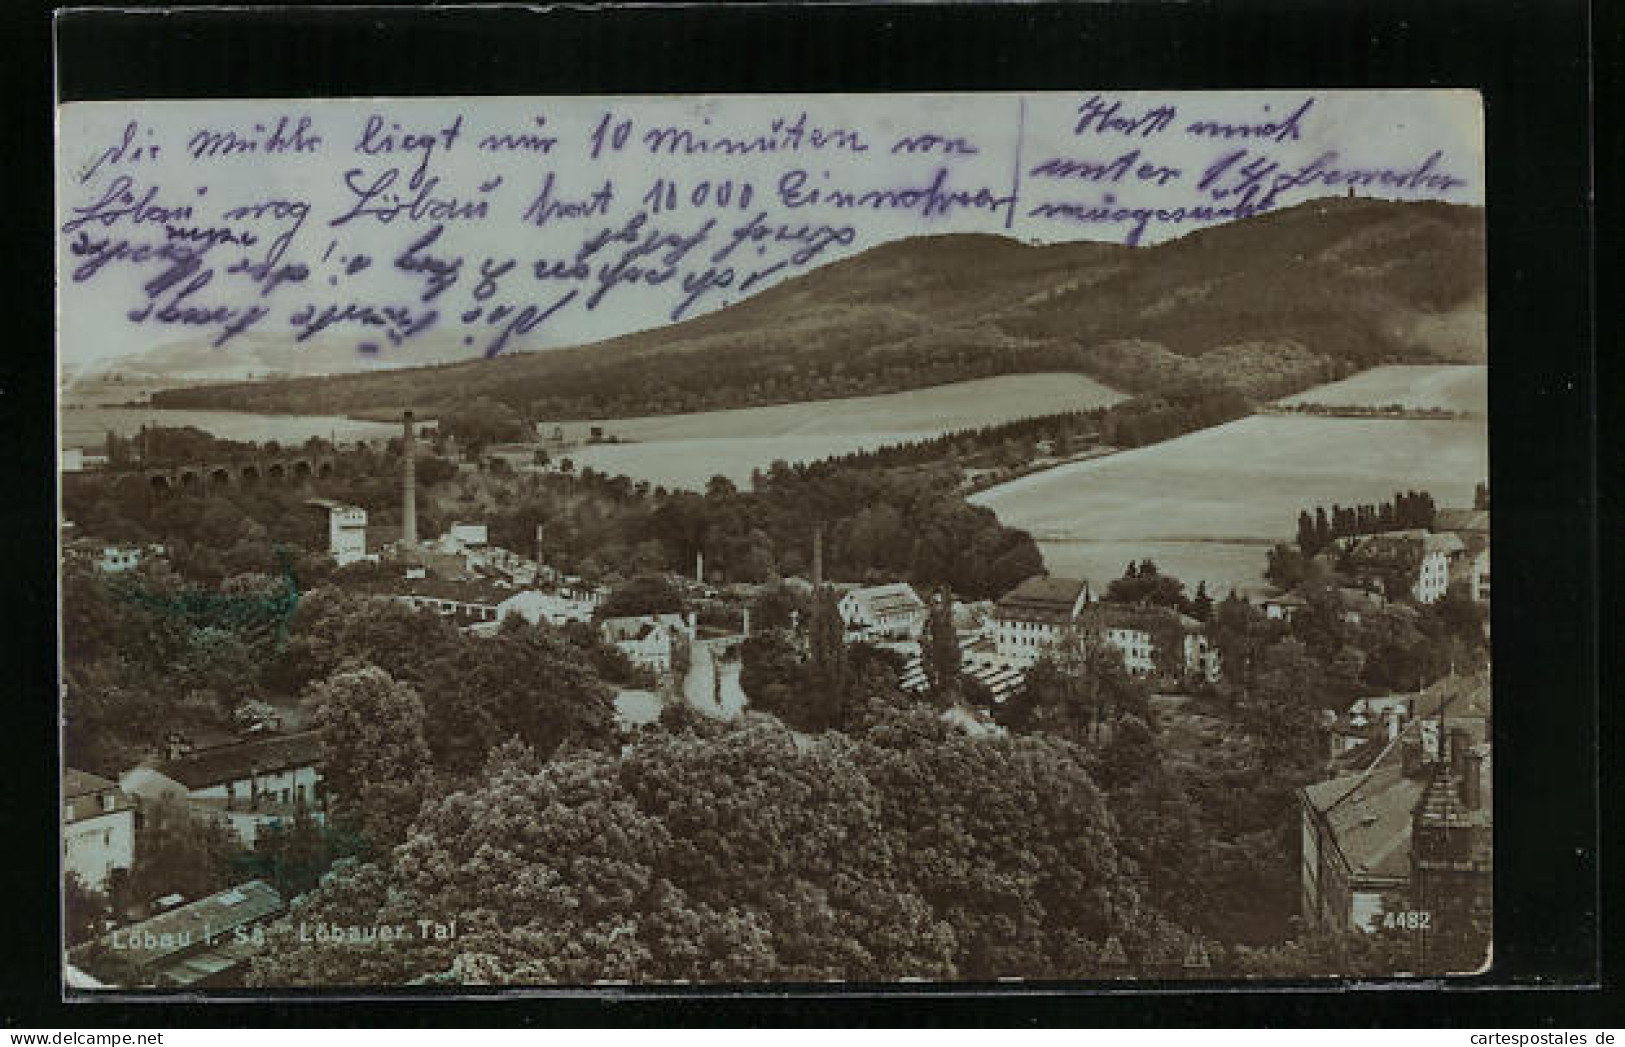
(1266, 305)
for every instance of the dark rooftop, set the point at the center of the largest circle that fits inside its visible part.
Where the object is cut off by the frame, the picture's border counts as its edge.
(1370, 816)
(182, 931)
(1042, 596)
(229, 763)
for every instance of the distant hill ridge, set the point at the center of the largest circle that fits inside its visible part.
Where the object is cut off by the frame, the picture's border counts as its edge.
(1266, 306)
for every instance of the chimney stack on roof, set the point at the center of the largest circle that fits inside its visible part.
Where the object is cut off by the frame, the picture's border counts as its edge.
(1460, 743)
(1472, 780)
(1410, 751)
(409, 482)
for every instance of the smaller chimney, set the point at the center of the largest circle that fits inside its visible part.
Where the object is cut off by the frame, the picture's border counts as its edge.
(1410, 751)
(1460, 742)
(1472, 780)
(540, 558)
(747, 621)
(699, 566)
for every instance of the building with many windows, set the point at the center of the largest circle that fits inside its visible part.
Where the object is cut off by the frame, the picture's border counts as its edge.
(1035, 614)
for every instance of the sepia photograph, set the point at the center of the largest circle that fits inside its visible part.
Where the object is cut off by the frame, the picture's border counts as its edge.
(774, 540)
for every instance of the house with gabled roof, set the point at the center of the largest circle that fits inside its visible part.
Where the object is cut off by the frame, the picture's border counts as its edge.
(250, 784)
(883, 612)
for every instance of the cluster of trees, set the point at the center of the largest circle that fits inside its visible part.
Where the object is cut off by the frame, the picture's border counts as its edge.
(146, 653)
(481, 421)
(1319, 529)
(1379, 650)
(1151, 419)
(1144, 585)
(1131, 423)
(538, 683)
(718, 853)
(879, 524)
(882, 846)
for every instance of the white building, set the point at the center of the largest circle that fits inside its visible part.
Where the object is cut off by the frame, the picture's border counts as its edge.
(98, 828)
(1033, 615)
(1435, 554)
(649, 640)
(251, 784)
(1134, 631)
(346, 530)
(469, 535)
(892, 612)
(554, 607)
(118, 558)
(1433, 577)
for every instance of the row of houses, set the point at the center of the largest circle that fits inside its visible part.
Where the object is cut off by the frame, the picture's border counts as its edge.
(1412, 829)
(246, 785)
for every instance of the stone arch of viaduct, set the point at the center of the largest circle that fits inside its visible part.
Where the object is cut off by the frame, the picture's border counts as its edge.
(202, 476)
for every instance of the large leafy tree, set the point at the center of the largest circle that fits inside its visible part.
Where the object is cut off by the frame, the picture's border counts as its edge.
(1077, 685)
(910, 849)
(375, 758)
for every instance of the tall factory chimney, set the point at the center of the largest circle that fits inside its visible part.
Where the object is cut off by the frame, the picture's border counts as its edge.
(409, 482)
(818, 556)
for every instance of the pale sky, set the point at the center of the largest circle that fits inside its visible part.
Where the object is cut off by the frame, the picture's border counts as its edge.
(1369, 131)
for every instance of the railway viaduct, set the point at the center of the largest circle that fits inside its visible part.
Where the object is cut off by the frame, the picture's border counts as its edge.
(296, 469)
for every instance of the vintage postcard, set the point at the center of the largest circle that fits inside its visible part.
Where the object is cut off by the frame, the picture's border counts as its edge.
(792, 539)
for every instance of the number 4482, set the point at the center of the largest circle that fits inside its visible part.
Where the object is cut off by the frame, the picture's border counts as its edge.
(1407, 920)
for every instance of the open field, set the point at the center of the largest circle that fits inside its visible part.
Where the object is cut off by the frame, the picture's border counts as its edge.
(1204, 506)
(930, 411)
(88, 427)
(687, 450)
(1450, 387)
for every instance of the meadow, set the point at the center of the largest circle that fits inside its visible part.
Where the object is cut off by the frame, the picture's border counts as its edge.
(1205, 506)
(1452, 387)
(686, 450)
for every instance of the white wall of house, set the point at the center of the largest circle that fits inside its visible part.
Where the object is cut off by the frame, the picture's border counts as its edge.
(118, 558)
(652, 652)
(1364, 909)
(859, 610)
(1481, 577)
(1023, 641)
(557, 608)
(93, 847)
(1139, 653)
(347, 534)
(286, 786)
(1432, 578)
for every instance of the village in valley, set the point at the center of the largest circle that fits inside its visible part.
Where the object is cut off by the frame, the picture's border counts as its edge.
(1394, 801)
(964, 610)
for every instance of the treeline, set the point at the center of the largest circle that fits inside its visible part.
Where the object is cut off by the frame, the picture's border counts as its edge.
(496, 398)
(1404, 511)
(1131, 423)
